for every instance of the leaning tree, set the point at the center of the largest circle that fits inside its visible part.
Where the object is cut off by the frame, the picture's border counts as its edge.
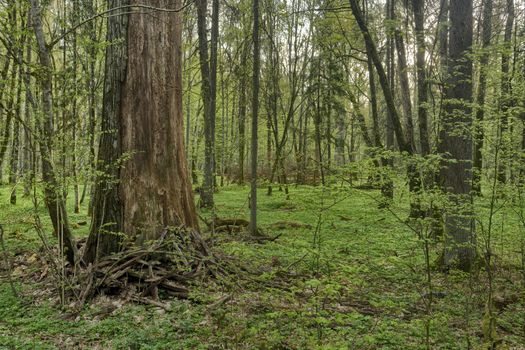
(142, 184)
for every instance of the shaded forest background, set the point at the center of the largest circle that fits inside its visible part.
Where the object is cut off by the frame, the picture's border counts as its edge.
(147, 122)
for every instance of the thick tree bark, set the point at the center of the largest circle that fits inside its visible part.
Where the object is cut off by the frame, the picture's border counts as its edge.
(486, 34)
(107, 206)
(457, 147)
(144, 185)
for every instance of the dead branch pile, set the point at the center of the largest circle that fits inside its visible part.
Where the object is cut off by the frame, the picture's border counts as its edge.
(167, 264)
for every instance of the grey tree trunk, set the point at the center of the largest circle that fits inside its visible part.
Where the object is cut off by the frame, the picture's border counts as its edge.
(255, 111)
(52, 196)
(456, 174)
(14, 166)
(208, 92)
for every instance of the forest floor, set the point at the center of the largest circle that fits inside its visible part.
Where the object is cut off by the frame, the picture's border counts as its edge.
(342, 274)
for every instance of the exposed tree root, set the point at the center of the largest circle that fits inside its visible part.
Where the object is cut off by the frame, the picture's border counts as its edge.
(167, 265)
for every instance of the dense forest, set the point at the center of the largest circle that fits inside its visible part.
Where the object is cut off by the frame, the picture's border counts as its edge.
(262, 174)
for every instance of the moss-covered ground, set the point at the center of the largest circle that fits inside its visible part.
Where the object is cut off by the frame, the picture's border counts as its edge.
(342, 274)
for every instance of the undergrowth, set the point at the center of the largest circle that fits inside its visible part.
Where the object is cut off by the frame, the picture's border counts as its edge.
(342, 275)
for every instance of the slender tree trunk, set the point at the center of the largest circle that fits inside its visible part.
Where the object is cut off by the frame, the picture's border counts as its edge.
(505, 98)
(328, 131)
(391, 79)
(373, 102)
(479, 134)
(208, 92)
(443, 39)
(383, 80)
(242, 117)
(340, 141)
(224, 111)
(74, 116)
(404, 145)
(405, 87)
(14, 172)
(28, 156)
(52, 196)
(255, 111)
(317, 121)
(4, 141)
(14, 108)
(92, 114)
(360, 118)
(422, 83)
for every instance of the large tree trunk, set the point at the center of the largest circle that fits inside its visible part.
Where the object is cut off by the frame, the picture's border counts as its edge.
(457, 147)
(145, 185)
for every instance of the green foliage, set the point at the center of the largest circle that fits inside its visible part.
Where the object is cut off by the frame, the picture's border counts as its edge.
(355, 282)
